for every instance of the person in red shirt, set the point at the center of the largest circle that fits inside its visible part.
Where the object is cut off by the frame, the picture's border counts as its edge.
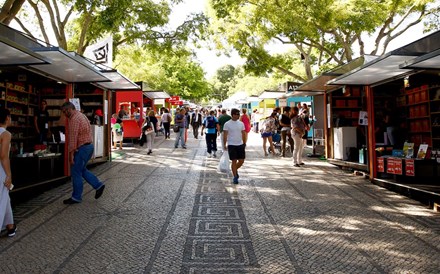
(80, 149)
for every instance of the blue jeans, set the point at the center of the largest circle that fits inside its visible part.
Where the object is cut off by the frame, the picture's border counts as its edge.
(180, 136)
(79, 170)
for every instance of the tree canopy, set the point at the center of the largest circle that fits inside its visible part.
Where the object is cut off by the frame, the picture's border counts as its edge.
(76, 24)
(322, 32)
(173, 72)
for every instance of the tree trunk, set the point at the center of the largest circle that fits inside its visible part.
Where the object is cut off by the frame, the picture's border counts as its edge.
(9, 9)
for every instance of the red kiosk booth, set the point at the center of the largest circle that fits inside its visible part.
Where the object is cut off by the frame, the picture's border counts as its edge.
(129, 101)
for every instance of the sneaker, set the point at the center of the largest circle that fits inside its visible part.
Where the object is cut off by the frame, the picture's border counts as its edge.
(12, 231)
(209, 155)
(184, 147)
(175, 146)
(214, 154)
(70, 201)
(99, 192)
(235, 180)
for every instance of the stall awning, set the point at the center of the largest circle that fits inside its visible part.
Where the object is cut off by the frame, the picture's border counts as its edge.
(13, 54)
(66, 67)
(268, 94)
(318, 85)
(427, 61)
(118, 82)
(387, 67)
(156, 95)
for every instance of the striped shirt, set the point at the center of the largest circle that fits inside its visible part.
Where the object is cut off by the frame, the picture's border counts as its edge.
(79, 130)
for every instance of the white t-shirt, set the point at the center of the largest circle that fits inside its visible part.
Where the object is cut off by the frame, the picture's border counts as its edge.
(234, 129)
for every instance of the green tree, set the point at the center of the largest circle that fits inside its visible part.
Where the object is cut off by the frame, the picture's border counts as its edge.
(76, 24)
(222, 82)
(172, 71)
(323, 32)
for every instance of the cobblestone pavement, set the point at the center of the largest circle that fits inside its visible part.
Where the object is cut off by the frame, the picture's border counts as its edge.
(172, 212)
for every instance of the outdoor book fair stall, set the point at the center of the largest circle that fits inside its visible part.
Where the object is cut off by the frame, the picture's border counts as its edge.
(393, 101)
(31, 73)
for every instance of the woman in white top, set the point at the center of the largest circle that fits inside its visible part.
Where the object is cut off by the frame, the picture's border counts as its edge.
(6, 217)
(166, 122)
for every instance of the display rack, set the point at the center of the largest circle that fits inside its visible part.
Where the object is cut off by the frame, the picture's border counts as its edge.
(434, 94)
(346, 106)
(21, 101)
(419, 115)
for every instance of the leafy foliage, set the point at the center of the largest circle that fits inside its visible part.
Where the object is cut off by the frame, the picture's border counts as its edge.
(172, 71)
(324, 32)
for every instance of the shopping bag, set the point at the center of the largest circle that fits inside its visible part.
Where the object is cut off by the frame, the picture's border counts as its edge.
(223, 164)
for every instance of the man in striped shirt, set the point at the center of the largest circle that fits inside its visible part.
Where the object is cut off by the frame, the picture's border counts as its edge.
(80, 151)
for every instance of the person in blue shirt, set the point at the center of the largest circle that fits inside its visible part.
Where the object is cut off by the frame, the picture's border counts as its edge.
(210, 123)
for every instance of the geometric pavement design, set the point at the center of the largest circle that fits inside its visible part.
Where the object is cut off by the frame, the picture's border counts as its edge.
(218, 239)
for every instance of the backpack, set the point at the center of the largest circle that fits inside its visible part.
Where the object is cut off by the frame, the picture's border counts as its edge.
(210, 122)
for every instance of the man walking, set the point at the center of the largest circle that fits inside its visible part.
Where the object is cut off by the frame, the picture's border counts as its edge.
(212, 130)
(80, 151)
(234, 135)
(196, 120)
(224, 117)
(180, 120)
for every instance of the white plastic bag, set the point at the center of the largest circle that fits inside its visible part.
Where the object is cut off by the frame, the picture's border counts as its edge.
(223, 164)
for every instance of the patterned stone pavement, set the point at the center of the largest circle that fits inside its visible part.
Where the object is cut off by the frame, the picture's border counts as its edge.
(173, 212)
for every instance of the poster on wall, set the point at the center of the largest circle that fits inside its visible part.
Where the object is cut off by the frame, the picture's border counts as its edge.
(328, 116)
(75, 101)
(282, 102)
(363, 118)
(105, 111)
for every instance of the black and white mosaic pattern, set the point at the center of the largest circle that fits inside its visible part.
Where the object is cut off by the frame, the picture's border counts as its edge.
(218, 239)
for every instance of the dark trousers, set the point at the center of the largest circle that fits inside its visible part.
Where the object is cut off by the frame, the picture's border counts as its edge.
(196, 130)
(285, 134)
(166, 127)
(211, 142)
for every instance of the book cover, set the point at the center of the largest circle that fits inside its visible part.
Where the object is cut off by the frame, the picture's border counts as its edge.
(423, 149)
(408, 150)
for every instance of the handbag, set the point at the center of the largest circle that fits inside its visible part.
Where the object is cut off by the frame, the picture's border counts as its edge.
(176, 128)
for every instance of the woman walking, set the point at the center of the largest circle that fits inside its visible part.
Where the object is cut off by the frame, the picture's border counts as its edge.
(166, 121)
(246, 120)
(6, 217)
(267, 130)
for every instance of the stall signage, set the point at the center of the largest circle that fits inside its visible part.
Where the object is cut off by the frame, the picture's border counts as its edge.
(380, 164)
(390, 165)
(174, 99)
(398, 166)
(409, 167)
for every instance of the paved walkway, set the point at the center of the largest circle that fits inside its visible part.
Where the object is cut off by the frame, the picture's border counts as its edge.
(172, 212)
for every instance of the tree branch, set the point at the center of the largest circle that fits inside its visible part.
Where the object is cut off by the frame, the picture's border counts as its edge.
(40, 21)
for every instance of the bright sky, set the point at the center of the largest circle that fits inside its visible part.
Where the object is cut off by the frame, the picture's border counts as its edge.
(211, 62)
(208, 59)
